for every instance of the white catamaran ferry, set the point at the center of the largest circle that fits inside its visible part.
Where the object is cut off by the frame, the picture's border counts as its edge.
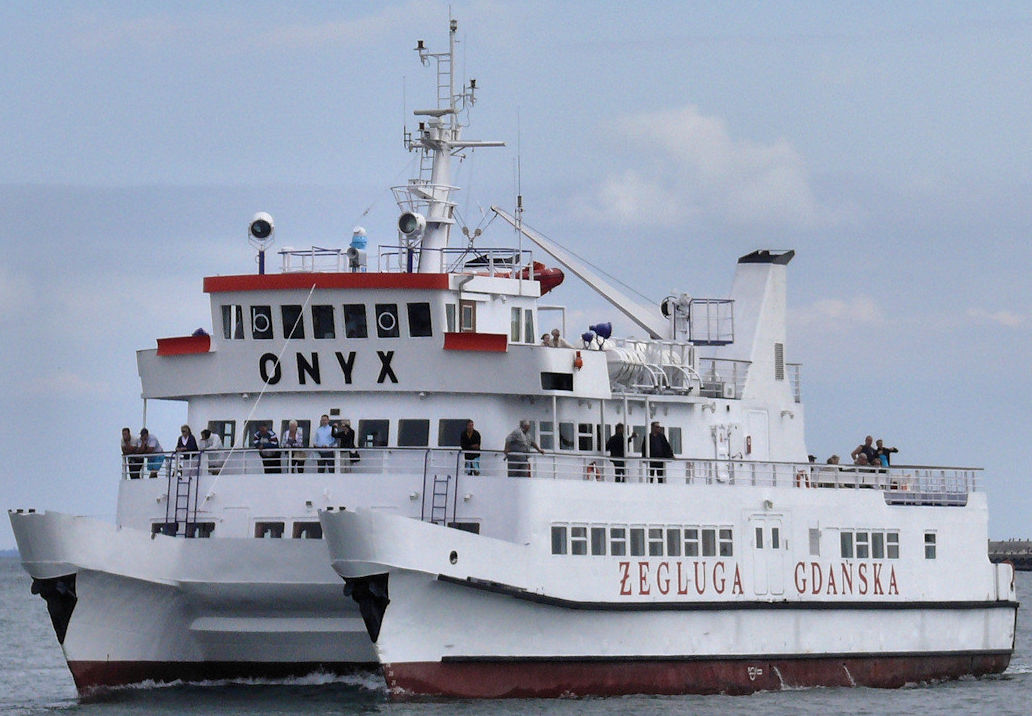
(710, 557)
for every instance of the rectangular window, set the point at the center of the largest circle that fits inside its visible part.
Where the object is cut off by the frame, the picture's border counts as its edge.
(709, 543)
(373, 433)
(929, 545)
(546, 437)
(862, 542)
(639, 433)
(268, 530)
(815, 542)
(637, 541)
(655, 541)
(846, 542)
(251, 427)
(556, 381)
(578, 540)
(233, 322)
(528, 326)
(726, 545)
(355, 321)
(892, 545)
(878, 545)
(303, 427)
(691, 542)
(566, 436)
(200, 530)
(598, 540)
(307, 530)
(759, 538)
(515, 324)
(779, 361)
(450, 317)
(586, 437)
(387, 320)
(293, 322)
(449, 430)
(225, 429)
(775, 538)
(674, 436)
(618, 541)
(558, 539)
(261, 322)
(673, 541)
(414, 433)
(419, 325)
(322, 322)
(467, 317)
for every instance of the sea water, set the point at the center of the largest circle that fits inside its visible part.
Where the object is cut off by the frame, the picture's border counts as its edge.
(34, 680)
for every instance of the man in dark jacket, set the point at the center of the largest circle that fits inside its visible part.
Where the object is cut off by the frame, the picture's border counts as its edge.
(616, 447)
(657, 446)
(470, 440)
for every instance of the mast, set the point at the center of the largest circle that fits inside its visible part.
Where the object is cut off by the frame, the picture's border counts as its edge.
(426, 201)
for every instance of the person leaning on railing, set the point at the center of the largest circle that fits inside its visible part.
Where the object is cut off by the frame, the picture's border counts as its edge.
(518, 444)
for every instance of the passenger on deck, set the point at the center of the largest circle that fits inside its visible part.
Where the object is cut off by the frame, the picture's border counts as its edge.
(868, 450)
(294, 438)
(210, 444)
(267, 442)
(558, 341)
(657, 446)
(833, 460)
(616, 446)
(470, 440)
(133, 464)
(346, 439)
(861, 459)
(546, 339)
(884, 452)
(517, 450)
(147, 444)
(186, 449)
(324, 439)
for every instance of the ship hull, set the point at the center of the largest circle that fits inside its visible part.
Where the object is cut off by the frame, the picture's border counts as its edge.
(474, 617)
(134, 607)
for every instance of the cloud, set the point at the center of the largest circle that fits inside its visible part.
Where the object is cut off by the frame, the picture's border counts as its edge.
(1003, 318)
(694, 167)
(831, 314)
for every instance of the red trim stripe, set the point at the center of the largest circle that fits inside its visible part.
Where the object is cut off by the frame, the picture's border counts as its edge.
(549, 679)
(284, 281)
(490, 342)
(184, 345)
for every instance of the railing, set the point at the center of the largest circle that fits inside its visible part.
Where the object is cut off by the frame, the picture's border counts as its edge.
(488, 261)
(902, 485)
(314, 260)
(651, 366)
(723, 377)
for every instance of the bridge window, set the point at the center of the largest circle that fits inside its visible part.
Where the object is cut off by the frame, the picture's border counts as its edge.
(521, 325)
(414, 433)
(448, 431)
(387, 320)
(450, 317)
(322, 322)
(929, 545)
(373, 433)
(233, 322)
(261, 322)
(307, 530)
(419, 320)
(293, 322)
(467, 316)
(268, 530)
(355, 321)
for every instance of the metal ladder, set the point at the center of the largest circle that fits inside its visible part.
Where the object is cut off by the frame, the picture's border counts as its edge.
(439, 500)
(181, 490)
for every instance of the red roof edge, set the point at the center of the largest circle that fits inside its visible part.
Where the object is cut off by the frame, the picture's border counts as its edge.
(184, 345)
(490, 342)
(281, 281)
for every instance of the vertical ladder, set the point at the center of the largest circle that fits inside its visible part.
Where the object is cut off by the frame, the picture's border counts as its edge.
(181, 489)
(439, 500)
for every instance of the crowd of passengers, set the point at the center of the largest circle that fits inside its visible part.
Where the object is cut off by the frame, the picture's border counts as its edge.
(869, 453)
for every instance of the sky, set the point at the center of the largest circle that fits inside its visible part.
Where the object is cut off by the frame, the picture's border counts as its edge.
(889, 144)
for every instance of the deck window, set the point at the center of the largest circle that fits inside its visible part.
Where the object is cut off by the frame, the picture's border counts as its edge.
(225, 429)
(618, 541)
(878, 545)
(673, 541)
(450, 317)
(862, 543)
(556, 381)
(414, 433)
(598, 540)
(307, 530)
(268, 530)
(585, 437)
(815, 542)
(387, 320)
(655, 541)
(261, 322)
(637, 541)
(419, 320)
(674, 436)
(929, 545)
(691, 542)
(566, 436)
(200, 530)
(578, 540)
(846, 542)
(233, 322)
(725, 543)
(467, 317)
(293, 322)
(449, 430)
(558, 539)
(709, 543)
(322, 322)
(355, 321)
(546, 436)
(892, 545)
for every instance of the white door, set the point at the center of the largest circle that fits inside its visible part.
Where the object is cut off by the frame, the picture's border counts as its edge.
(768, 554)
(757, 435)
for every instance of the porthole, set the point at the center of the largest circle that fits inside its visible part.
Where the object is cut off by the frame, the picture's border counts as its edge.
(453, 557)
